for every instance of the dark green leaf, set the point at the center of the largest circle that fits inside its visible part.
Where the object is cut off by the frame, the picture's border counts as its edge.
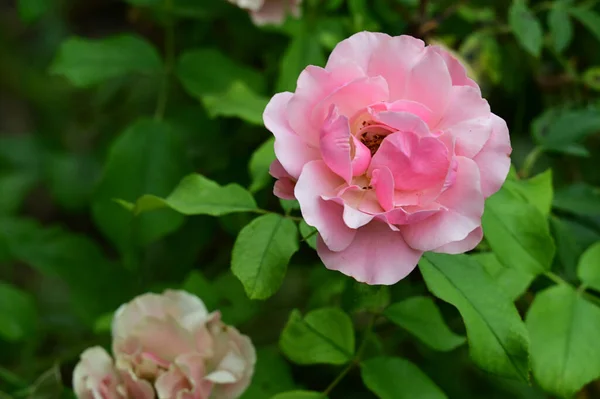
(31, 10)
(421, 317)
(300, 395)
(238, 101)
(86, 62)
(18, 315)
(259, 165)
(272, 375)
(565, 350)
(512, 281)
(197, 195)
(234, 304)
(309, 234)
(322, 336)
(518, 233)
(195, 283)
(526, 28)
(588, 269)
(497, 337)
(396, 378)
(71, 179)
(363, 297)
(304, 50)
(588, 18)
(560, 131)
(14, 187)
(579, 198)
(561, 28)
(146, 159)
(262, 252)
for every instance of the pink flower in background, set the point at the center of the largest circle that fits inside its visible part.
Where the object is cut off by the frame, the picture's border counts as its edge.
(95, 376)
(269, 11)
(390, 150)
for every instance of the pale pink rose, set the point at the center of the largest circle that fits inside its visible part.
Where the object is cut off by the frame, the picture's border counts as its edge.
(392, 151)
(95, 377)
(184, 379)
(272, 12)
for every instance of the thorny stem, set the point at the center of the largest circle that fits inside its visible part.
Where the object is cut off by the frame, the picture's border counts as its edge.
(161, 102)
(357, 357)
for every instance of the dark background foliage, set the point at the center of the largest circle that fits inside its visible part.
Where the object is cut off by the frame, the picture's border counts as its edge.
(74, 135)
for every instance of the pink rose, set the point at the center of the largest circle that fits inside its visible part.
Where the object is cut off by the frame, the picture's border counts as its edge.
(95, 376)
(269, 11)
(392, 151)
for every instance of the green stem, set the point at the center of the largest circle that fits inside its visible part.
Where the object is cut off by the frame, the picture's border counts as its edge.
(163, 94)
(556, 278)
(357, 357)
(530, 161)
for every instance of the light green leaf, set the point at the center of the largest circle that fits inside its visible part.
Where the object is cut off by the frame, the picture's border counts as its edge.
(397, 378)
(197, 195)
(588, 269)
(591, 78)
(579, 198)
(309, 234)
(18, 315)
(562, 130)
(145, 159)
(103, 323)
(497, 337)
(304, 49)
(323, 336)
(238, 101)
(259, 165)
(536, 190)
(421, 317)
(31, 10)
(300, 395)
(526, 28)
(262, 252)
(86, 62)
(512, 281)
(518, 233)
(561, 28)
(565, 350)
(272, 375)
(588, 18)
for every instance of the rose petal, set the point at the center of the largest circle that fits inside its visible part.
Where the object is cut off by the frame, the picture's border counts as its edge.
(494, 158)
(335, 144)
(458, 72)
(462, 246)
(382, 181)
(357, 49)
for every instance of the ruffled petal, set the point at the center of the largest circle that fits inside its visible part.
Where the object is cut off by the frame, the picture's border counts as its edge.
(494, 158)
(357, 49)
(462, 246)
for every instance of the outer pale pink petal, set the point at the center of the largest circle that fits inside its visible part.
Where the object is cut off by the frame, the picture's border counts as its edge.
(318, 180)
(382, 181)
(465, 245)
(95, 376)
(430, 83)
(184, 379)
(292, 151)
(467, 119)
(394, 60)
(464, 206)
(416, 163)
(377, 255)
(357, 49)
(457, 71)
(284, 186)
(355, 218)
(494, 159)
(335, 144)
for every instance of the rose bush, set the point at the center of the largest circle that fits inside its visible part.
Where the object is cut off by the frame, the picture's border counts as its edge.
(174, 343)
(390, 150)
(269, 11)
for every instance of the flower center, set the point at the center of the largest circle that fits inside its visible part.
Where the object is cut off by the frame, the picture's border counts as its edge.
(372, 136)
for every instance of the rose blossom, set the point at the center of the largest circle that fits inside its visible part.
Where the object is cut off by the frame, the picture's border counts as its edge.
(269, 11)
(95, 377)
(390, 150)
(173, 340)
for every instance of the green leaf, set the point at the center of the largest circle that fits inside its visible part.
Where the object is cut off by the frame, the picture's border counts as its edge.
(579, 198)
(197, 195)
(526, 28)
(565, 350)
(309, 234)
(512, 281)
(195, 283)
(363, 297)
(591, 78)
(518, 233)
(421, 317)
(262, 252)
(31, 10)
(300, 395)
(18, 315)
(588, 269)
(14, 188)
(397, 378)
(561, 130)
(497, 337)
(259, 165)
(561, 28)
(145, 159)
(304, 49)
(272, 375)
(238, 101)
(71, 179)
(323, 336)
(588, 18)
(536, 190)
(86, 62)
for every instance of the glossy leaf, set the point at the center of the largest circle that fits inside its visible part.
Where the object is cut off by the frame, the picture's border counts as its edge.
(537, 190)
(323, 336)
(421, 317)
(512, 281)
(588, 269)
(565, 351)
(497, 337)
